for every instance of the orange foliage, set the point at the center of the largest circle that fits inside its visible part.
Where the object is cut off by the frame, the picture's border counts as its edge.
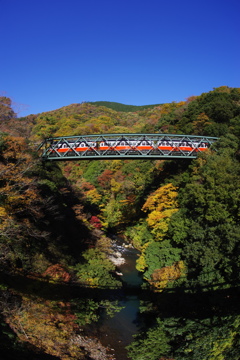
(18, 192)
(18, 189)
(191, 98)
(58, 273)
(85, 186)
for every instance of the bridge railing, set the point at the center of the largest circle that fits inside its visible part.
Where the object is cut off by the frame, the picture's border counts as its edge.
(128, 146)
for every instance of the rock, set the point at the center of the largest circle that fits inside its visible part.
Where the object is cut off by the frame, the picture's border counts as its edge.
(117, 260)
(119, 273)
(93, 347)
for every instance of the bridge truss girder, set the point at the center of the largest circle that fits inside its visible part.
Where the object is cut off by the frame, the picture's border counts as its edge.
(124, 146)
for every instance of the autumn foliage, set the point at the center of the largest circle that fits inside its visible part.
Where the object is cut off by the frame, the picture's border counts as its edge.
(49, 326)
(161, 277)
(182, 217)
(161, 205)
(57, 273)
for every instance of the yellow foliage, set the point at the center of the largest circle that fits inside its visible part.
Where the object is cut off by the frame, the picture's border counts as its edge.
(92, 282)
(161, 205)
(93, 195)
(155, 217)
(162, 198)
(180, 103)
(49, 326)
(220, 345)
(67, 129)
(141, 262)
(115, 165)
(3, 212)
(104, 123)
(115, 186)
(202, 121)
(161, 277)
(165, 109)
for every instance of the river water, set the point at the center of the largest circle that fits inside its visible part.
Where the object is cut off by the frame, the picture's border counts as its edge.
(194, 323)
(117, 332)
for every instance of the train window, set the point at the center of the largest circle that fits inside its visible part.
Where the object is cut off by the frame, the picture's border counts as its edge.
(122, 143)
(143, 143)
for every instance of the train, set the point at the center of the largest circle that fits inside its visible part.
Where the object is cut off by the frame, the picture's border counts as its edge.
(130, 145)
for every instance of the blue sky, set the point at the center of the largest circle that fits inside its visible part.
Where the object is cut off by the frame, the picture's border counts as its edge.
(58, 52)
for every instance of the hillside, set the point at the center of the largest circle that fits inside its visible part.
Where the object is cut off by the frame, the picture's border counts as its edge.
(182, 217)
(122, 107)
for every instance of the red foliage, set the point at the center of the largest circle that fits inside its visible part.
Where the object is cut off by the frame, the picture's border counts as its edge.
(131, 198)
(96, 222)
(105, 178)
(68, 169)
(85, 186)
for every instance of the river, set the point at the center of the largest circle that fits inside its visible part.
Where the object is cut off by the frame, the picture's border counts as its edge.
(207, 316)
(117, 332)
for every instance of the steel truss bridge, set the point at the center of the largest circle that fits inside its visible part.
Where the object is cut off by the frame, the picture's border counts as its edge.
(124, 146)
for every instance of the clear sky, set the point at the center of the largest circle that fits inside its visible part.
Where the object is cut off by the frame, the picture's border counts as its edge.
(58, 52)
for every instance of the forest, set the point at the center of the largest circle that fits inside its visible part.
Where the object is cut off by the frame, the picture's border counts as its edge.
(182, 216)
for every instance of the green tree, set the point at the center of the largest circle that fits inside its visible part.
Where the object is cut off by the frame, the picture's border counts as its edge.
(96, 270)
(150, 346)
(207, 225)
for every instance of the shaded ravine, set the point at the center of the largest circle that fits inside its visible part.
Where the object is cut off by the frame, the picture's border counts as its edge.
(117, 332)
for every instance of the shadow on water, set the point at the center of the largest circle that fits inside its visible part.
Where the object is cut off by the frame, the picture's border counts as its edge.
(176, 301)
(117, 332)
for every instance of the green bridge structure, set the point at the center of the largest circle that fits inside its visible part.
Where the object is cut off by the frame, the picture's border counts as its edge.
(124, 146)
